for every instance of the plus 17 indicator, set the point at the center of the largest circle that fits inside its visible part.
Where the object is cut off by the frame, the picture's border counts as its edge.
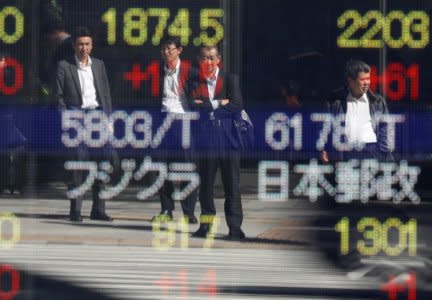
(137, 75)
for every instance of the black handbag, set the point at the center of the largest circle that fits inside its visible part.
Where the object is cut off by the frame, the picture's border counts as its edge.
(244, 130)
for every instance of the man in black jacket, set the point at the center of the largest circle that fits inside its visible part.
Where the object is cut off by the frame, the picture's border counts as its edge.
(362, 109)
(218, 98)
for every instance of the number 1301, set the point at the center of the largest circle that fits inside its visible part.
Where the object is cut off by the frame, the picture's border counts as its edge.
(377, 235)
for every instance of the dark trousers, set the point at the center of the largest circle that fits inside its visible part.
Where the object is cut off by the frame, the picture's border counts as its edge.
(229, 165)
(369, 151)
(78, 177)
(12, 173)
(172, 152)
(167, 202)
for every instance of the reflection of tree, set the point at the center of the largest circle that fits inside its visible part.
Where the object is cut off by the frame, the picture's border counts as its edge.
(54, 44)
(50, 10)
(305, 69)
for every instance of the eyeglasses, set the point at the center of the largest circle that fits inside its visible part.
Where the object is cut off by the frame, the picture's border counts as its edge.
(211, 58)
(166, 49)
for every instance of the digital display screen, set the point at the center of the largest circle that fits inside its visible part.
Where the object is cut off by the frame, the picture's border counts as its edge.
(15, 22)
(346, 228)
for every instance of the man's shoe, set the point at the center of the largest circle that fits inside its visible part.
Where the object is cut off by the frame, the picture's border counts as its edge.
(202, 231)
(100, 217)
(164, 216)
(236, 235)
(191, 219)
(75, 218)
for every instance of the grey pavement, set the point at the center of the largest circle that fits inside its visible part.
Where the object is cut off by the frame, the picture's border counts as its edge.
(130, 258)
(43, 216)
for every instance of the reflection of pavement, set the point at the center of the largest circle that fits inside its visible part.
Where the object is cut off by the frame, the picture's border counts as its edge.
(266, 224)
(130, 272)
(129, 259)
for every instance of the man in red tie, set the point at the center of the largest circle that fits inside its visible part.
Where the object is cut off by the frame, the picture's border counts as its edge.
(218, 97)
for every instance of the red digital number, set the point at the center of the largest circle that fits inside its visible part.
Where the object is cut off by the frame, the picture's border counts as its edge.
(396, 81)
(401, 284)
(17, 69)
(8, 293)
(153, 73)
(137, 76)
(207, 286)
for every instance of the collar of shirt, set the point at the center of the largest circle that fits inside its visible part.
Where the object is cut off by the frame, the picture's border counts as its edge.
(363, 98)
(173, 71)
(81, 65)
(212, 80)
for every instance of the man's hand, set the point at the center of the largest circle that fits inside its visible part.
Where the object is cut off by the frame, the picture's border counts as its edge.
(198, 101)
(224, 102)
(324, 156)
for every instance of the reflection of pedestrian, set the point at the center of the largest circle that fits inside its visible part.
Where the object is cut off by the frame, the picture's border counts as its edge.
(12, 140)
(361, 108)
(58, 46)
(82, 83)
(290, 92)
(218, 98)
(175, 97)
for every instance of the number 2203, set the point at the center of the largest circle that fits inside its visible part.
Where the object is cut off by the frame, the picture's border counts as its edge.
(395, 30)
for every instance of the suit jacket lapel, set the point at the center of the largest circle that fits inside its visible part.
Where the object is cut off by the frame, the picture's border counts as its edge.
(161, 80)
(220, 83)
(97, 81)
(74, 71)
(183, 77)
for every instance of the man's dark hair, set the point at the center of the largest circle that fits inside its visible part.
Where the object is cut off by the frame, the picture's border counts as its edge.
(171, 40)
(210, 47)
(81, 32)
(354, 67)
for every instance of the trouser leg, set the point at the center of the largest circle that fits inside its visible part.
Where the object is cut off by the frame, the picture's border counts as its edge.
(207, 172)
(230, 171)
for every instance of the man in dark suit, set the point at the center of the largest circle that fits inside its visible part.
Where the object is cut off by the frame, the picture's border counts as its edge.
(82, 83)
(218, 98)
(175, 84)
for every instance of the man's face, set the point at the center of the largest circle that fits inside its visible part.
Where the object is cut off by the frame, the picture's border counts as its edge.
(209, 61)
(2, 62)
(360, 85)
(83, 46)
(170, 53)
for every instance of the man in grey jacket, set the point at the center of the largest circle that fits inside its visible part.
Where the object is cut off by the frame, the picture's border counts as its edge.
(82, 84)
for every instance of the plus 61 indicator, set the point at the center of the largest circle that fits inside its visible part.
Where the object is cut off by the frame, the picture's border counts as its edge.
(397, 81)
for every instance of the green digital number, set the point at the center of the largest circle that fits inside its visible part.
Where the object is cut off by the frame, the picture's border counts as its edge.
(11, 37)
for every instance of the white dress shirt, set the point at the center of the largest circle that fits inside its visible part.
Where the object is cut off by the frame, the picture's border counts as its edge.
(211, 86)
(88, 90)
(171, 98)
(358, 121)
